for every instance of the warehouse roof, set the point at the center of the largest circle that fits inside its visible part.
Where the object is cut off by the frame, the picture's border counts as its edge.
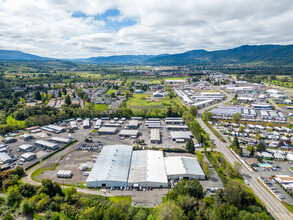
(147, 166)
(132, 123)
(112, 164)
(155, 135)
(181, 134)
(183, 166)
(25, 146)
(4, 157)
(28, 155)
(45, 143)
(60, 139)
(125, 132)
(108, 129)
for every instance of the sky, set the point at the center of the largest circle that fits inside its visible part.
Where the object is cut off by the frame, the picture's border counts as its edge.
(90, 28)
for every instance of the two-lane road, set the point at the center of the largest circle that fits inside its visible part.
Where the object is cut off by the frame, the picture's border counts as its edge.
(274, 206)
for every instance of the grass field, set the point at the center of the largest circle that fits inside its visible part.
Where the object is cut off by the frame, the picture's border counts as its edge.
(37, 172)
(142, 101)
(170, 78)
(280, 83)
(110, 91)
(101, 107)
(116, 199)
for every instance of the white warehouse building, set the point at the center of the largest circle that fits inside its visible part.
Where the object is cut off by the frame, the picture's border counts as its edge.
(147, 169)
(183, 167)
(112, 167)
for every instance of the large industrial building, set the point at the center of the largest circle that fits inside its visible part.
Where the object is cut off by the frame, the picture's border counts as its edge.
(147, 169)
(119, 165)
(111, 167)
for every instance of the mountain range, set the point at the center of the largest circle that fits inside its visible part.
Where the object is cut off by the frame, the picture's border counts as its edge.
(274, 55)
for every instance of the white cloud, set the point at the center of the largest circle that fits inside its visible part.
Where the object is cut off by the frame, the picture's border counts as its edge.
(47, 28)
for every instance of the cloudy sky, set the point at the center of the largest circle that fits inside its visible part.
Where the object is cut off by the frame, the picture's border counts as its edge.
(86, 28)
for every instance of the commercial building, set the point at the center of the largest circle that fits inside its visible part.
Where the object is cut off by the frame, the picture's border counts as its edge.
(56, 129)
(132, 124)
(5, 158)
(183, 167)
(26, 148)
(147, 169)
(46, 145)
(173, 121)
(108, 130)
(27, 137)
(98, 124)
(177, 127)
(9, 140)
(155, 136)
(129, 133)
(73, 125)
(181, 136)
(28, 156)
(203, 103)
(112, 167)
(261, 106)
(86, 123)
(61, 140)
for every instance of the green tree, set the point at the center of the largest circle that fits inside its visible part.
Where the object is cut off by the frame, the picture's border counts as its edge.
(67, 99)
(64, 92)
(208, 116)
(236, 117)
(193, 110)
(190, 146)
(59, 93)
(226, 212)
(169, 210)
(13, 197)
(24, 207)
(186, 187)
(261, 146)
(7, 216)
(38, 95)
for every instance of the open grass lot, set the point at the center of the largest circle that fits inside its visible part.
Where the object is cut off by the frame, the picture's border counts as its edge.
(144, 79)
(283, 84)
(117, 199)
(142, 101)
(174, 78)
(37, 172)
(110, 91)
(101, 107)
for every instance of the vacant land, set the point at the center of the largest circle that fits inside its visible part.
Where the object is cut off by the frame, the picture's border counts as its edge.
(175, 78)
(145, 101)
(101, 107)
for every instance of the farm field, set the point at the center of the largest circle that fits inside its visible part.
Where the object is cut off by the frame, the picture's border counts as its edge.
(174, 78)
(142, 101)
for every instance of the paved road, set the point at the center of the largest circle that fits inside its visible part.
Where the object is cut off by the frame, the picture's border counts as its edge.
(274, 206)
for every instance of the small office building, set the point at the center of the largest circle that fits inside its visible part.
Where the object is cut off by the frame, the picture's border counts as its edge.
(129, 133)
(155, 136)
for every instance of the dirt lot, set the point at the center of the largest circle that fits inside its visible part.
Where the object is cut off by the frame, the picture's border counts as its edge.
(71, 162)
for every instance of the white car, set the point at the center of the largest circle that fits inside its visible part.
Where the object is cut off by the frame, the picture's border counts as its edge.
(246, 182)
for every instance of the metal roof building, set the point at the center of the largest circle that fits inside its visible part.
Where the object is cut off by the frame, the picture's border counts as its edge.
(147, 169)
(5, 158)
(108, 130)
(111, 167)
(183, 167)
(61, 140)
(181, 135)
(155, 136)
(128, 133)
(26, 147)
(28, 156)
(46, 144)
(132, 124)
